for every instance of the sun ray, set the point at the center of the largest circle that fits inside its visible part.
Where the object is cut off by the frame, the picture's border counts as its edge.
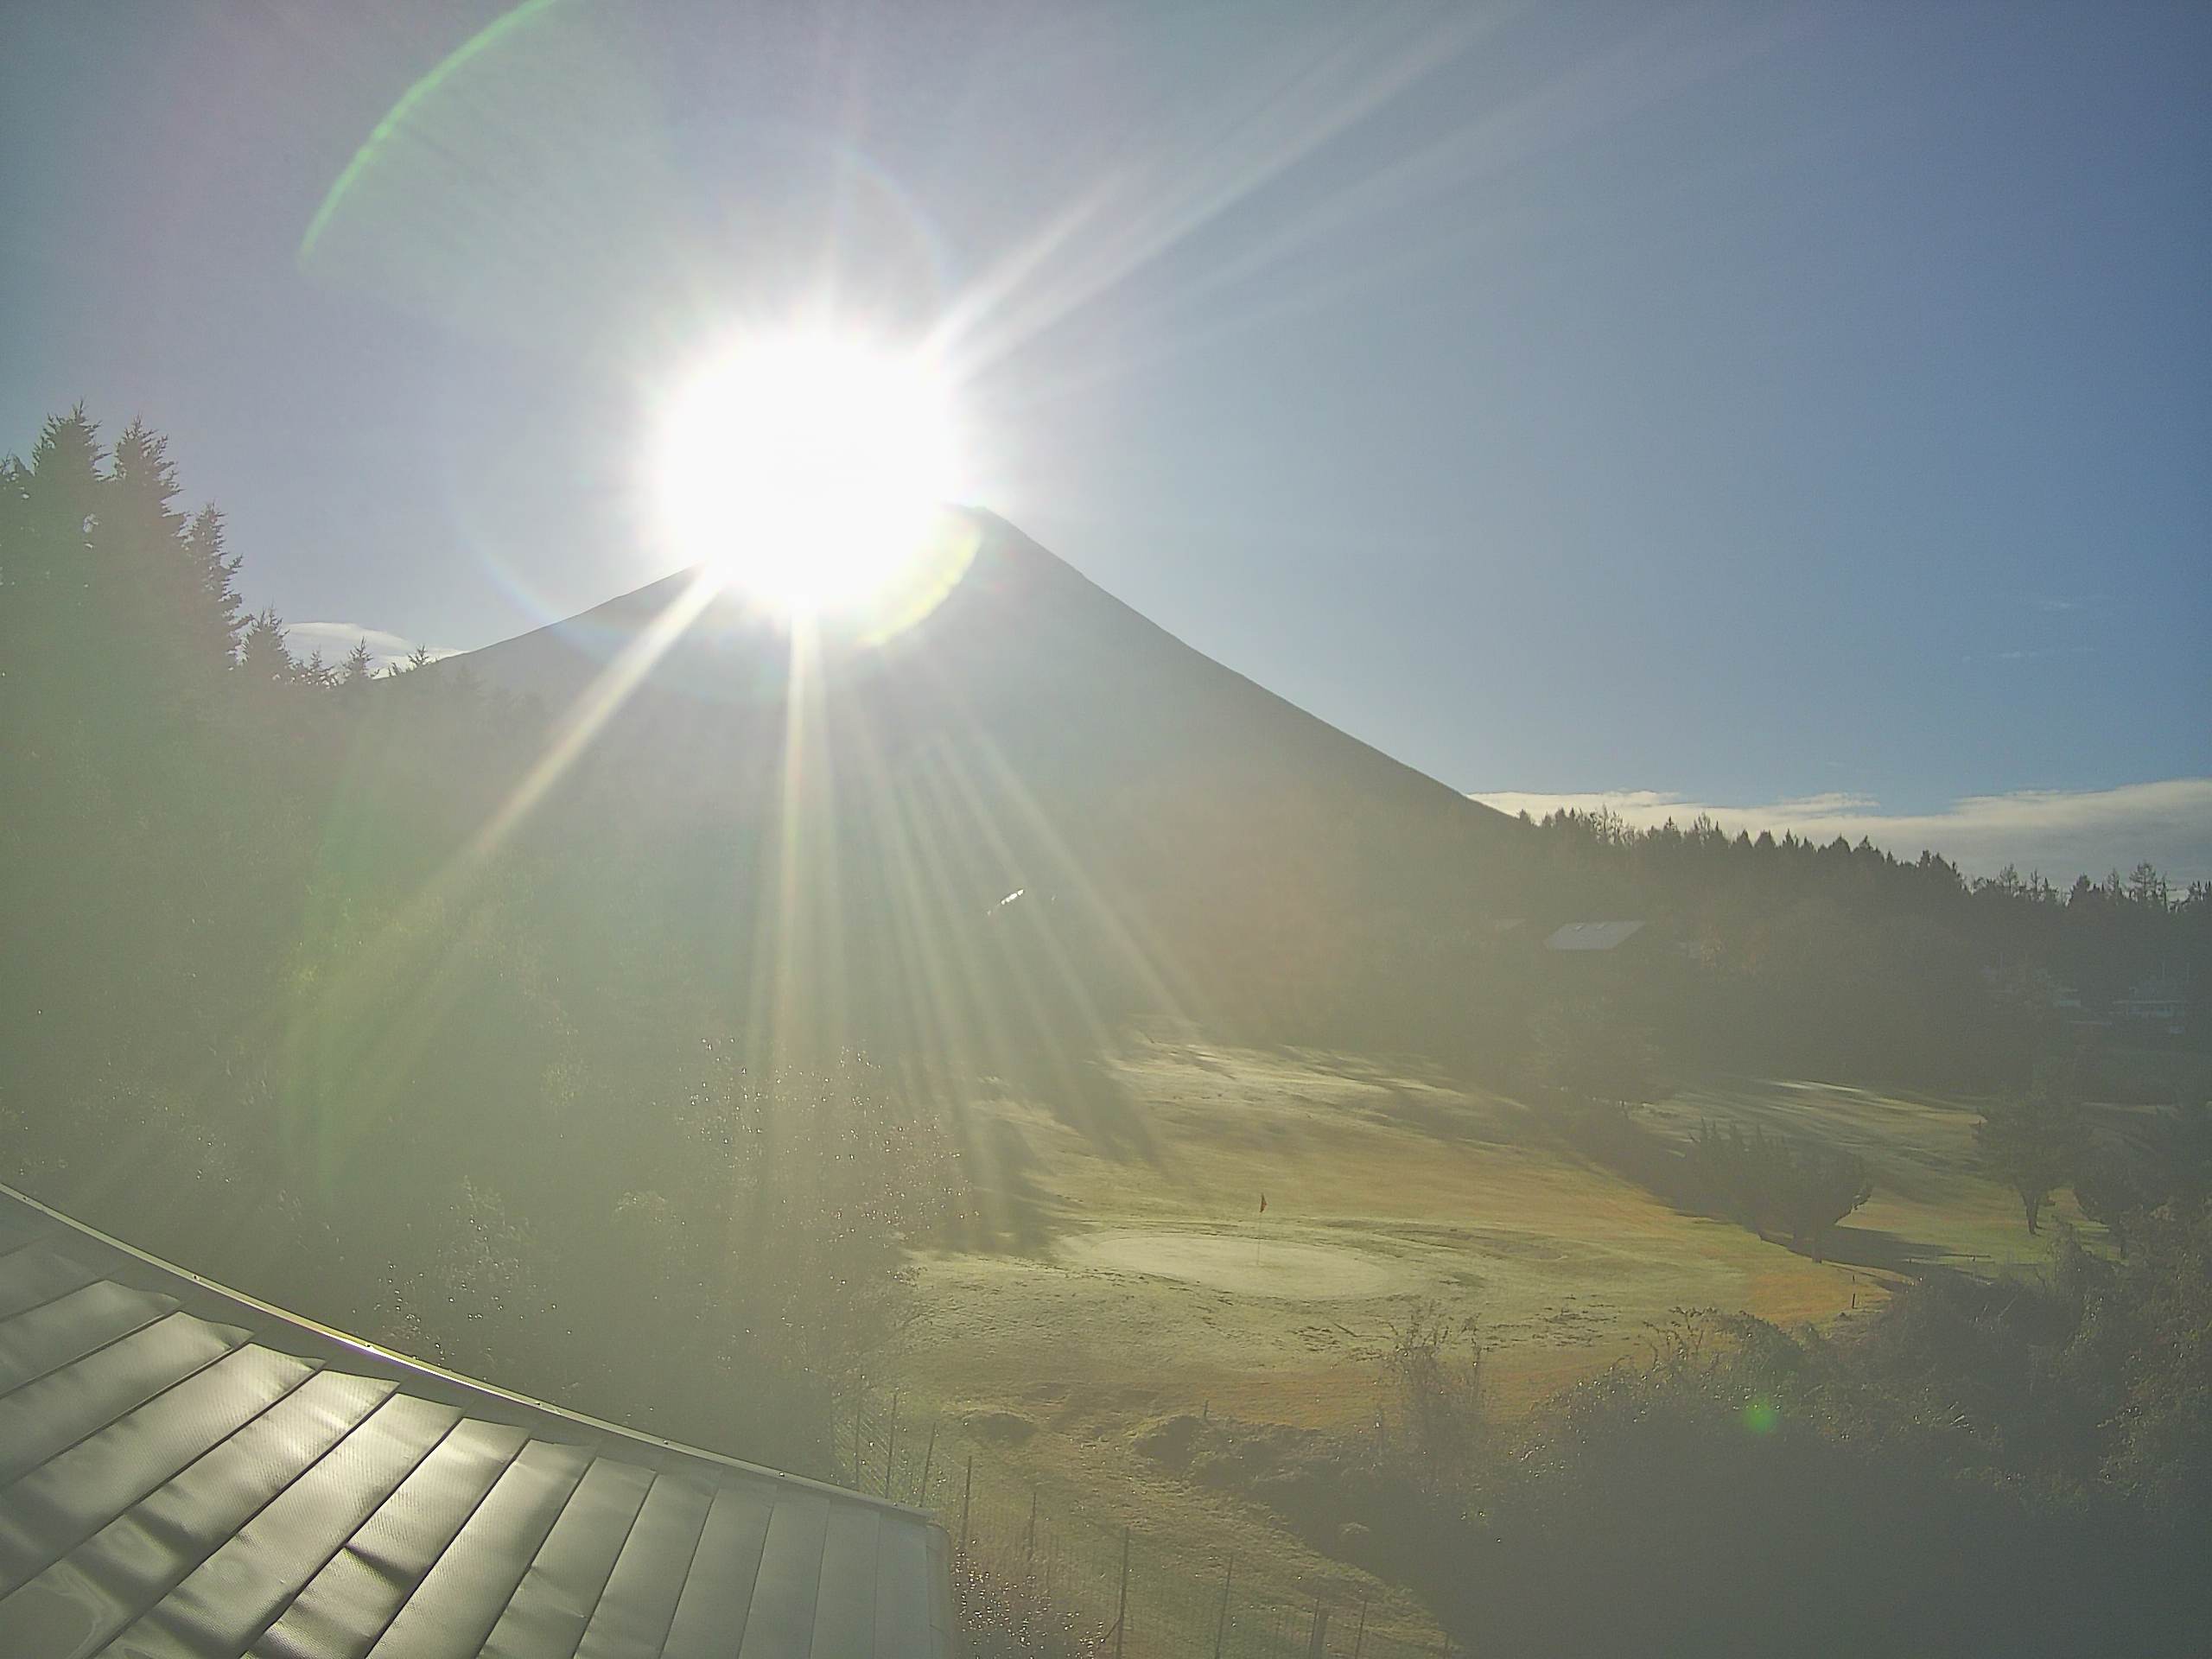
(596, 705)
(1138, 218)
(321, 1041)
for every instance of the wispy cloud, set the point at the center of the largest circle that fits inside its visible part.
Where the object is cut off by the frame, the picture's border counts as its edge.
(2059, 832)
(335, 639)
(2032, 654)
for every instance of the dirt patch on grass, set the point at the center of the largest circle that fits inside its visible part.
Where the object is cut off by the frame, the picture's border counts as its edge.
(995, 1427)
(1242, 1266)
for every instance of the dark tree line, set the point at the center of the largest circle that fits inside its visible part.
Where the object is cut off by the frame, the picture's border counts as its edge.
(274, 1004)
(1848, 961)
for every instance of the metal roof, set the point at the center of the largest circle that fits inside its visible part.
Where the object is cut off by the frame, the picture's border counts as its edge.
(185, 1472)
(1593, 935)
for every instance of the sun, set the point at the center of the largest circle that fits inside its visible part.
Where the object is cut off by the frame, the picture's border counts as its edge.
(807, 470)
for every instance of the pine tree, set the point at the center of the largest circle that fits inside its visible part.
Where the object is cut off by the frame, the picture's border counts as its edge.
(217, 615)
(160, 597)
(359, 667)
(46, 506)
(263, 658)
(2146, 887)
(144, 575)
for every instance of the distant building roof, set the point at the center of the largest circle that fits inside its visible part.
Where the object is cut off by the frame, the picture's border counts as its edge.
(2146, 992)
(1593, 935)
(186, 1472)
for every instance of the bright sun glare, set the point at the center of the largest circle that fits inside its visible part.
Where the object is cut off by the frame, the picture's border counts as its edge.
(806, 470)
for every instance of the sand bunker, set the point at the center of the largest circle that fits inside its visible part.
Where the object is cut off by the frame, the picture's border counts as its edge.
(1246, 1267)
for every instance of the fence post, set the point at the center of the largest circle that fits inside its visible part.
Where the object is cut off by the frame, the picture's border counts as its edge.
(1029, 1542)
(927, 1456)
(1360, 1635)
(1316, 1645)
(891, 1445)
(1121, 1605)
(1220, 1624)
(967, 1492)
(859, 1399)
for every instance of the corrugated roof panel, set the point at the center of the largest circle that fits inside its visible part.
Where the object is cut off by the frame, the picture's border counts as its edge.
(343, 1610)
(462, 1597)
(555, 1599)
(32, 1273)
(53, 1334)
(711, 1613)
(902, 1586)
(781, 1622)
(185, 1487)
(941, 1638)
(130, 1563)
(1593, 935)
(633, 1615)
(43, 1418)
(59, 1505)
(844, 1605)
(225, 1603)
(19, 1225)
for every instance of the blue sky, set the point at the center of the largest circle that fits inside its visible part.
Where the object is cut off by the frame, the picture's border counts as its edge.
(1744, 406)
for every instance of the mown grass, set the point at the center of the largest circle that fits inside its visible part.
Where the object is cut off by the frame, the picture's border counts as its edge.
(1468, 1199)
(1932, 1206)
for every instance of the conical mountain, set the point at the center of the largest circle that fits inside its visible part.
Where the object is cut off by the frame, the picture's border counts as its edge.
(1181, 840)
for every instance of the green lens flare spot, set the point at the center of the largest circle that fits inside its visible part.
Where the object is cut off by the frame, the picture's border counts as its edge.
(1761, 1415)
(409, 101)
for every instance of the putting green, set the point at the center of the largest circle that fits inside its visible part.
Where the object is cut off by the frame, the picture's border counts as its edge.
(1245, 1265)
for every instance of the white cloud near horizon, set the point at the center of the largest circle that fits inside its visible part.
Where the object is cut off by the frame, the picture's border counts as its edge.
(2062, 833)
(335, 639)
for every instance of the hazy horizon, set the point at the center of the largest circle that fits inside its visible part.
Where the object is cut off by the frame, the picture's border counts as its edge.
(2055, 833)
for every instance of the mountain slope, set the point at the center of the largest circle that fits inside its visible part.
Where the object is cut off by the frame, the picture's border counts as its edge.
(1182, 840)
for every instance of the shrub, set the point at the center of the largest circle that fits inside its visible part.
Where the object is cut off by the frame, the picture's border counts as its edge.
(1433, 1428)
(2034, 1145)
(1777, 1184)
